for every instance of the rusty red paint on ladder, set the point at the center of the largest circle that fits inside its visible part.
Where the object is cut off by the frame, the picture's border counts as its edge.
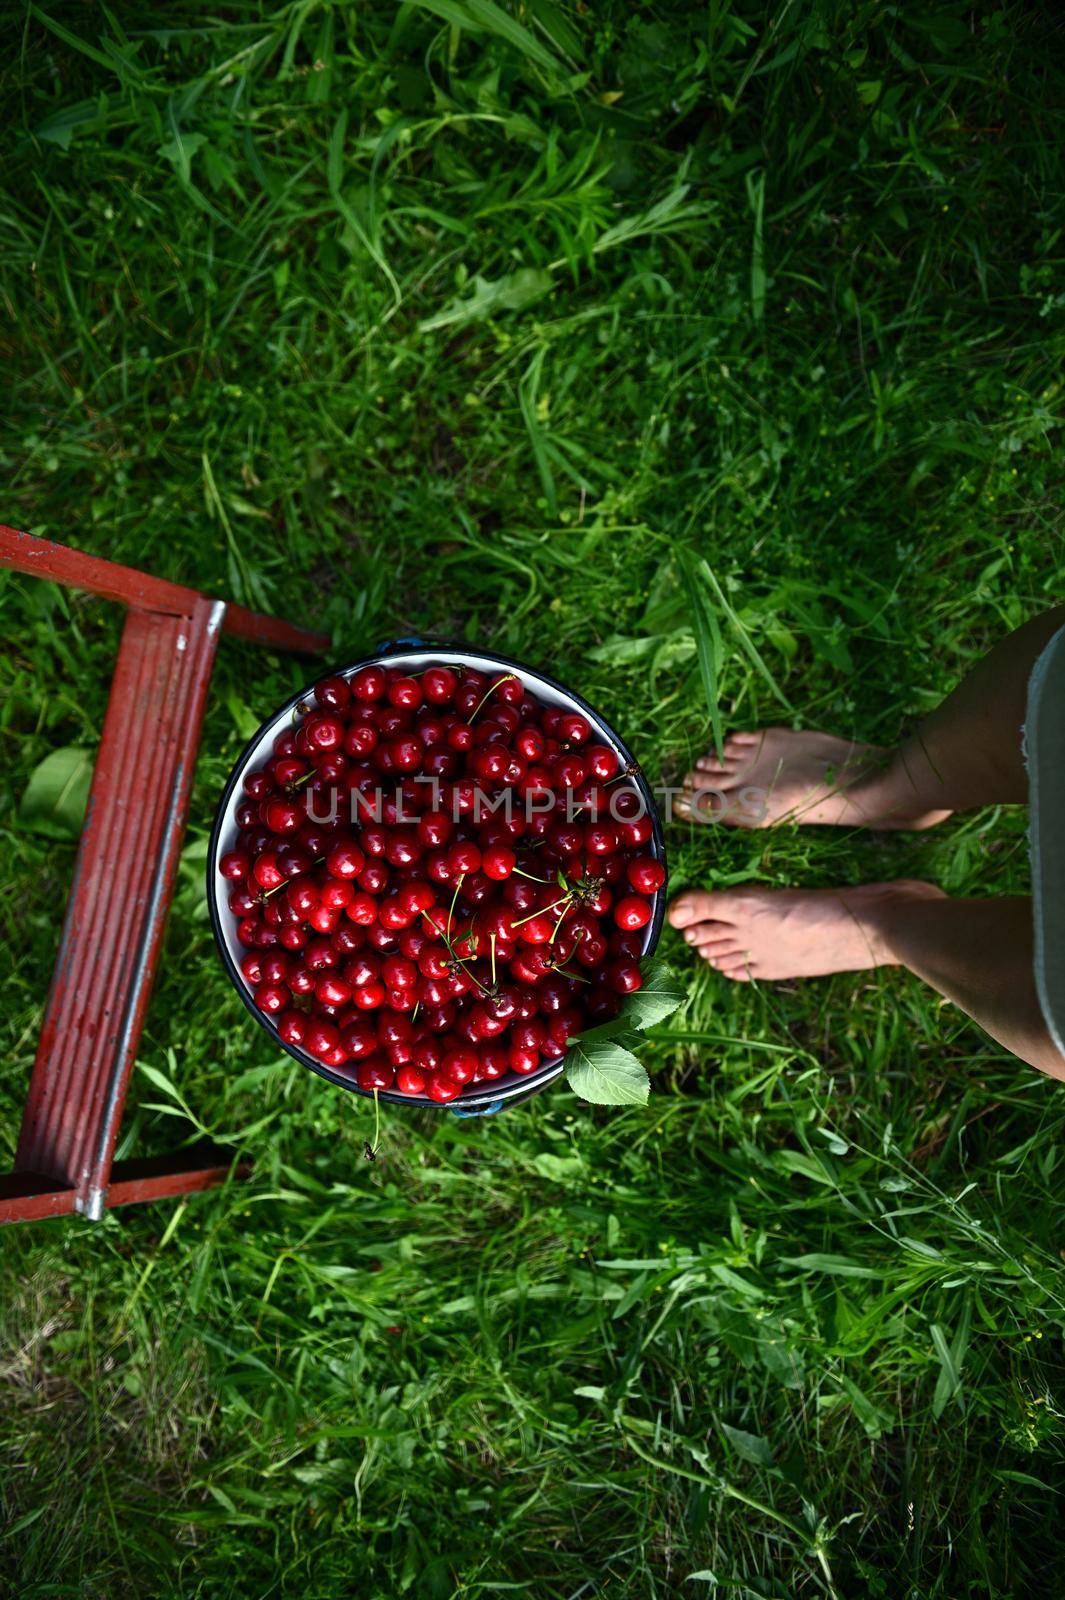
(24, 552)
(123, 883)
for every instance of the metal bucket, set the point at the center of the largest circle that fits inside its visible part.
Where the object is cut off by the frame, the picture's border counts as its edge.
(413, 655)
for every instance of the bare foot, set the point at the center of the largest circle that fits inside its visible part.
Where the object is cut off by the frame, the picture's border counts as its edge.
(780, 774)
(766, 934)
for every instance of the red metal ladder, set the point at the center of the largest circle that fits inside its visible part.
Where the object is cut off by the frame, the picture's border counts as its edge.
(123, 883)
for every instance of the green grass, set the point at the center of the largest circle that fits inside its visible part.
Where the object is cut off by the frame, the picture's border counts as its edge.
(495, 321)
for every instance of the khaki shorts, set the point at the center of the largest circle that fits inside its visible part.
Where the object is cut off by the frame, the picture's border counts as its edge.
(1045, 754)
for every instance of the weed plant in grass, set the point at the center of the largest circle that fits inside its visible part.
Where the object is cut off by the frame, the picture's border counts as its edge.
(681, 349)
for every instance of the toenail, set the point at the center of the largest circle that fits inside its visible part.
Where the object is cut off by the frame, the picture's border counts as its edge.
(690, 936)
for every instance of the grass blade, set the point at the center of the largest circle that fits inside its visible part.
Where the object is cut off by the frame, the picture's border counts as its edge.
(707, 644)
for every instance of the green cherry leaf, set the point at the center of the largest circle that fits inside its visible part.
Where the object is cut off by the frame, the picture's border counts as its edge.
(57, 793)
(660, 996)
(607, 1074)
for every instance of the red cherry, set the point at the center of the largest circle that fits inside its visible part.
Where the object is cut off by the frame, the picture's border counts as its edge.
(359, 1038)
(362, 909)
(301, 980)
(282, 816)
(498, 862)
(530, 743)
(399, 973)
(646, 874)
(491, 762)
(563, 1028)
(635, 831)
(531, 1035)
(626, 944)
(568, 771)
(405, 753)
(256, 785)
(631, 912)
(460, 1065)
(523, 1061)
(573, 728)
(493, 1061)
(374, 877)
(323, 919)
(332, 991)
(369, 996)
(337, 894)
(288, 770)
(251, 966)
(439, 685)
(601, 761)
(591, 951)
(410, 1080)
(234, 865)
(333, 693)
(369, 683)
(360, 739)
(318, 954)
(323, 732)
(345, 861)
(402, 848)
(292, 1027)
(601, 838)
(406, 693)
(321, 1039)
(266, 872)
(625, 977)
(434, 829)
(374, 1075)
(463, 857)
(442, 1089)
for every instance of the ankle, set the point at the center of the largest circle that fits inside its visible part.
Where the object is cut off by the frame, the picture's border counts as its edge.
(889, 911)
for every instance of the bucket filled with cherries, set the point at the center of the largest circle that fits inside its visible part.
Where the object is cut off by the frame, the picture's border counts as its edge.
(431, 872)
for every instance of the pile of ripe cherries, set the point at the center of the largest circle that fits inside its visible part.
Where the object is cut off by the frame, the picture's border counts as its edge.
(438, 880)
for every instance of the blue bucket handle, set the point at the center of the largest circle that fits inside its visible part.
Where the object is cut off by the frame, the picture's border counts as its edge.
(393, 644)
(490, 1110)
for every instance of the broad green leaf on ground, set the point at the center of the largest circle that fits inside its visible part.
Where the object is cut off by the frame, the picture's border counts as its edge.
(749, 1446)
(57, 793)
(660, 996)
(606, 1074)
(510, 293)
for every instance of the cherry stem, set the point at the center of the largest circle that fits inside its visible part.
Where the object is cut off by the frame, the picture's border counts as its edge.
(518, 873)
(286, 881)
(372, 1149)
(492, 687)
(451, 946)
(451, 907)
(564, 972)
(539, 913)
(492, 943)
